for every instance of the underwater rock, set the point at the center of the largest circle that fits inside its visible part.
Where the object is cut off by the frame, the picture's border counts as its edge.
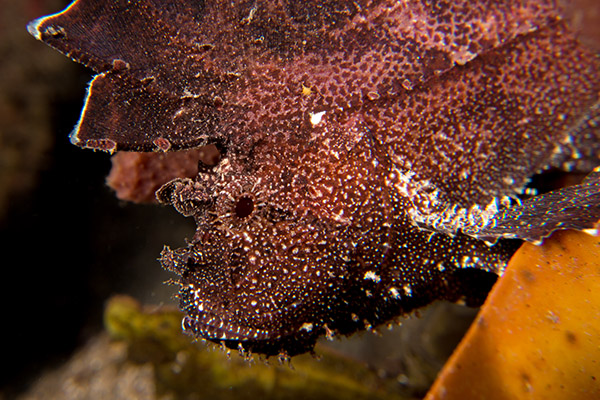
(146, 356)
(369, 150)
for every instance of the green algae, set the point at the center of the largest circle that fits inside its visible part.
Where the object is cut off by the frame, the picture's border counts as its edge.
(187, 369)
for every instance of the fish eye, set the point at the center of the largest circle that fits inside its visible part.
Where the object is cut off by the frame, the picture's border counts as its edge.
(244, 207)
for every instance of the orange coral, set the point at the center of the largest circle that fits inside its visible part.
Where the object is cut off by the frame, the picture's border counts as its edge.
(538, 334)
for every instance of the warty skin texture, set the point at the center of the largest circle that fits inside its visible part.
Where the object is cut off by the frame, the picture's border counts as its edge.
(359, 139)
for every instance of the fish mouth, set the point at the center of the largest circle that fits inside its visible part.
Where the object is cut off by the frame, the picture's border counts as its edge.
(249, 340)
(219, 327)
(211, 327)
(286, 346)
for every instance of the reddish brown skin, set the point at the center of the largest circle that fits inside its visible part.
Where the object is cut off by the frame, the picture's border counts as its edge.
(366, 148)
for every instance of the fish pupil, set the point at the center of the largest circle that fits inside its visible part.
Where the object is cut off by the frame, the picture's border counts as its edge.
(244, 207)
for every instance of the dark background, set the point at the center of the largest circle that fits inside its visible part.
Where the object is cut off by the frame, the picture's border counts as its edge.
(67, 244)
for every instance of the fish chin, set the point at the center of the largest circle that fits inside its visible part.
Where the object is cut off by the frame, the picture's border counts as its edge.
(263, 309)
